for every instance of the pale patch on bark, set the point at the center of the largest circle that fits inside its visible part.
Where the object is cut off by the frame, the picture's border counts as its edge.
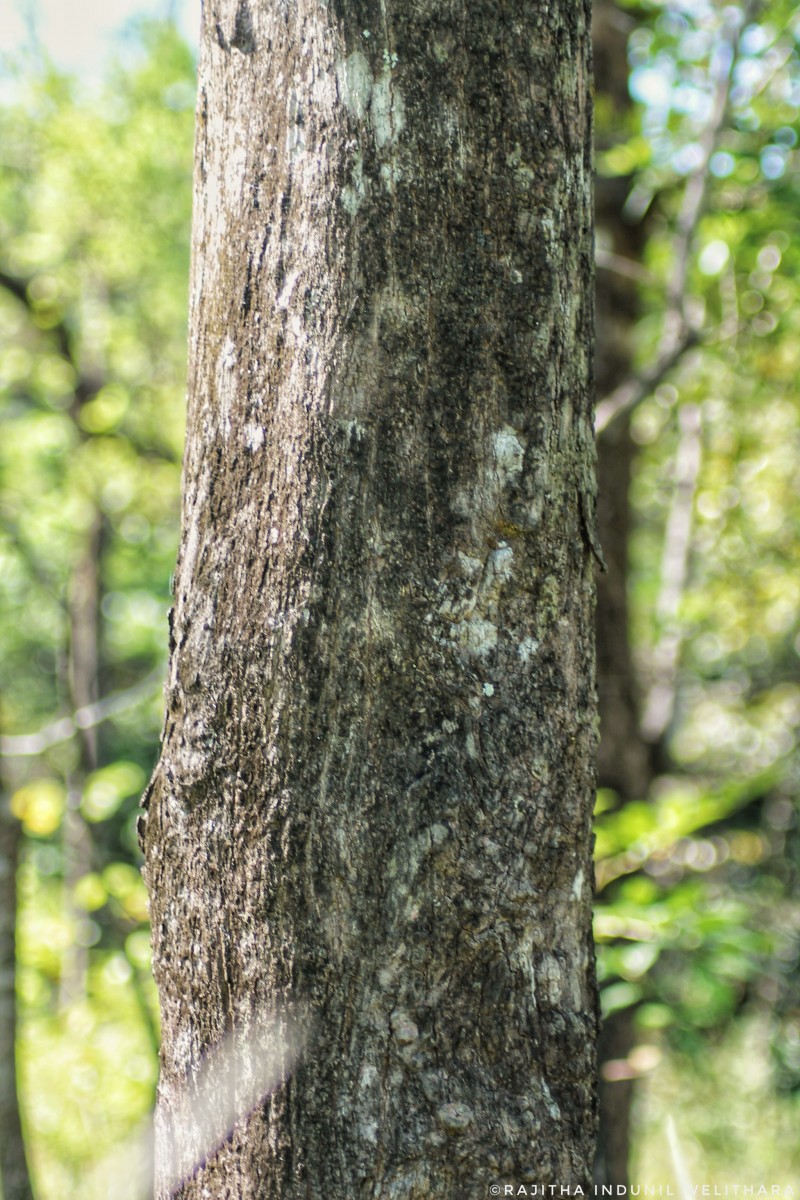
(527, 647)
(254, 437)
(355, 83)
(285, 294)
(509, 451)
(387, 110)
(354, 194)
(227, 385)
(471, 602)
(379, 98)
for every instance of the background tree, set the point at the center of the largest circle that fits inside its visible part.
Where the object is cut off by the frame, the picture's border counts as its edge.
(375, 784)
(94, 207)
(679, 847)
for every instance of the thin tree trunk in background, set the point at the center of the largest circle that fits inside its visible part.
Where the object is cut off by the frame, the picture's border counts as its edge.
(634, 719)
(15, 1181)
(374, 795)
(624, 764)
(82, 687)
(624, 758)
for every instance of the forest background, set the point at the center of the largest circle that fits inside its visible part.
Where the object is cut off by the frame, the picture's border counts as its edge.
(698, 917)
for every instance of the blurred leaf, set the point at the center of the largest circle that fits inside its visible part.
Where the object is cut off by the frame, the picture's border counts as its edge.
(40, 806)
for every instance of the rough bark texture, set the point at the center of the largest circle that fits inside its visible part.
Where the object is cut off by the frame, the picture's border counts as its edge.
(375, 789)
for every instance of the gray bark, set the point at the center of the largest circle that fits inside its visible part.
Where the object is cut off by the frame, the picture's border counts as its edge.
(372, 805)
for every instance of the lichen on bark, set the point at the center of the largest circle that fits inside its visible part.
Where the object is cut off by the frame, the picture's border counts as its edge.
(373, 798)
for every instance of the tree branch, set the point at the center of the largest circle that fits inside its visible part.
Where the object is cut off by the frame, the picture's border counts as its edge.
(19, 289)
(28, 745)
(679, 333)
(659, 704)
(638, 387)
(87, 384)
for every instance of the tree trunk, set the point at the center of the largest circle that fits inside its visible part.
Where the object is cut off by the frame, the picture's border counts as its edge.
(15, 1181)
(625, 760)
(82, 689)
(372, 806)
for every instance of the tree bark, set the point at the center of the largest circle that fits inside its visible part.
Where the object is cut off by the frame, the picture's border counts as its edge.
(372, 806)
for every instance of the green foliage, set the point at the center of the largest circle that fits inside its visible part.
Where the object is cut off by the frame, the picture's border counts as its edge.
(699, 915)
(95, 199)
(732, 1127)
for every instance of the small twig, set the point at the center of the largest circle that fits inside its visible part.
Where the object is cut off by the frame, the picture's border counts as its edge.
(618, 264)
(27, 745)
